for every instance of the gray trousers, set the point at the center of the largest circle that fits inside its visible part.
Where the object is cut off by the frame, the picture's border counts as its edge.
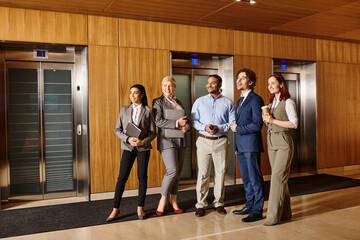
(281, 150)
(173, 159)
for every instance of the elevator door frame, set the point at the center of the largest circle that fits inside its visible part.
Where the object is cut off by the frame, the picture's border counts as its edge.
(41, 67)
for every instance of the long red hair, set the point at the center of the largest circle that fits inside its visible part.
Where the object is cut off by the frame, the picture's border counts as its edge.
(284, 95)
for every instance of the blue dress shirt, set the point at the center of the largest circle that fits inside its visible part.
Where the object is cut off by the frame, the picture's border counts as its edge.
(207, 110)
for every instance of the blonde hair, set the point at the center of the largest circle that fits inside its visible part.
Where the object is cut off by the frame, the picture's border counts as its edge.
(168, 79)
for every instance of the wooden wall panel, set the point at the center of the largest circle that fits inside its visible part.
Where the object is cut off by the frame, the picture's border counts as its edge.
(336, 51)
(294, 48)
(332, 114)
(147, 67)
(103, 30)
(143, 34)
(353, 114)
(103, 112)
(253, 44)
(201, 39)
(262, 66)
(42, 26)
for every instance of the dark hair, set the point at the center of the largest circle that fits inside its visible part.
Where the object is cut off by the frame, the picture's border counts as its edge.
(284, 95)
(250, 74)
(217, 77)
(143, 92)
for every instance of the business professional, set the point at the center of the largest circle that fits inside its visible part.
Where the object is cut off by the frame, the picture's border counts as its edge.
(141, 115)
(249, 145)
(212, 115)
(172, 150)
(282, 117)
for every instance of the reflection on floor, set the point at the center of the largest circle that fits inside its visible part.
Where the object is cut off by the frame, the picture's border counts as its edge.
(326, 215)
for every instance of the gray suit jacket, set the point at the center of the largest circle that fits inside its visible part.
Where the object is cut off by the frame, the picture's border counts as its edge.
(159, 106)
(146, 124)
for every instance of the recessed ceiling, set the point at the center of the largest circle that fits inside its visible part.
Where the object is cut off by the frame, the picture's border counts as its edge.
(331, 19)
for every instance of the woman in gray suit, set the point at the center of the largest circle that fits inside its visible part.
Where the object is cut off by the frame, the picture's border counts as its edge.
(282, 117)
(139, 114)
(172, 149)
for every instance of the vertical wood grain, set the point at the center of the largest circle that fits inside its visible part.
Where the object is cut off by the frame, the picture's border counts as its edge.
(103, 30)
(353, 114)
(294, 48)
(253, 44)
(201, 39)
(332, 114)
(336, 51)
(146, 67)
(262, 66)
(42, 26)
(103, 112)
(143, 34)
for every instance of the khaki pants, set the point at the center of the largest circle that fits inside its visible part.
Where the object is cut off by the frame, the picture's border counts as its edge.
(281, 150)
(217, 151)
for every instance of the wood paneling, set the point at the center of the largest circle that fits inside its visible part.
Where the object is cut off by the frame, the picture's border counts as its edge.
(323, 24)
(42, 26)
(143, 34)
(103, 112)
(103, 31)
(353, 113)
(201, 39)
(147, 67)
(294, 48)
(336, 51)
(332, 126)
(262, 66)
(253, 44)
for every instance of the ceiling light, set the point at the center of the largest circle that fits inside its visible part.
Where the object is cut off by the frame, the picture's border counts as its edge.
(248, 1)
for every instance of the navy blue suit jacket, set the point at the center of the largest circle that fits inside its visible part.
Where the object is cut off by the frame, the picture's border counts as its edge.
(249, 123)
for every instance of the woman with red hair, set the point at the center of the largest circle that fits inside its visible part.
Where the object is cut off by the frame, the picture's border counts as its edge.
(282, 117)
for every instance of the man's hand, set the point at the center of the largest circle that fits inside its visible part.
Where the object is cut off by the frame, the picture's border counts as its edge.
(233, 127)
(212, 129)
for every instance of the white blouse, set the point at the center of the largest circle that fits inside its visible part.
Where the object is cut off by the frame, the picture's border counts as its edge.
(290, 109)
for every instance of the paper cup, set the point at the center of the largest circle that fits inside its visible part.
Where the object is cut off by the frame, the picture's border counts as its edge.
(265, 110)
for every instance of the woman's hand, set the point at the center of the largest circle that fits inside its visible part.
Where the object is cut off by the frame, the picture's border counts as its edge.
(267, 118)
(185, 128)
(135, 142)
(182, 121)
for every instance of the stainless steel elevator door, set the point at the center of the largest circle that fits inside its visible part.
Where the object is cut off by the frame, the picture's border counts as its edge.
(41, 130)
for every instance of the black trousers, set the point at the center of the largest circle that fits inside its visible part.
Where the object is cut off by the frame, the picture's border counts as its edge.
(127, 161)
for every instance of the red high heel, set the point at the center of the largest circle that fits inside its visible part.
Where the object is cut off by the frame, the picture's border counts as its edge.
(159, 213)
(171, 208)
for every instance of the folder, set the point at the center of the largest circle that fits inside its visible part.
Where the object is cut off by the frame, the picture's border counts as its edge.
(132, 130)
(174, 114)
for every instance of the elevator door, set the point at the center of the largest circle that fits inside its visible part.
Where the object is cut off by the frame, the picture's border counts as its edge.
(190, 85)
(40, 130)
(292, 82)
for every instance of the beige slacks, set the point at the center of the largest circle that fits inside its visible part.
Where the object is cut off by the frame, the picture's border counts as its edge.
(217, 151)
(281, 150)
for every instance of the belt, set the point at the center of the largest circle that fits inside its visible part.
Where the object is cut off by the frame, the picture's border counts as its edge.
(211, 138)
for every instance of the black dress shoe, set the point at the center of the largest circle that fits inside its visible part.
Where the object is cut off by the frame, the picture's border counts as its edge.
(221, 210)
(253, 217)
(243, 211)
(200, 212)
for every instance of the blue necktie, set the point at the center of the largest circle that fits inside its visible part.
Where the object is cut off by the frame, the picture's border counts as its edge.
(240, 102)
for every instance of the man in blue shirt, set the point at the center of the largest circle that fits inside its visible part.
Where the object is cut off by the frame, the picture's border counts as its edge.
(212, 115)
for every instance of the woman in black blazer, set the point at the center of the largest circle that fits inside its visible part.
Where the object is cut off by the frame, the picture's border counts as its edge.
(141, 115)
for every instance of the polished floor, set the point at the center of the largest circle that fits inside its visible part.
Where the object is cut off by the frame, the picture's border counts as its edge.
(331, 215)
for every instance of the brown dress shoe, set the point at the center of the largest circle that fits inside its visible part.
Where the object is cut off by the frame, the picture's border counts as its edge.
(221, 210)
(200, 212)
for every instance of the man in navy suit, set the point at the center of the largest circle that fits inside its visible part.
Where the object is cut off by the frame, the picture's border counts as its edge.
(249, 144)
